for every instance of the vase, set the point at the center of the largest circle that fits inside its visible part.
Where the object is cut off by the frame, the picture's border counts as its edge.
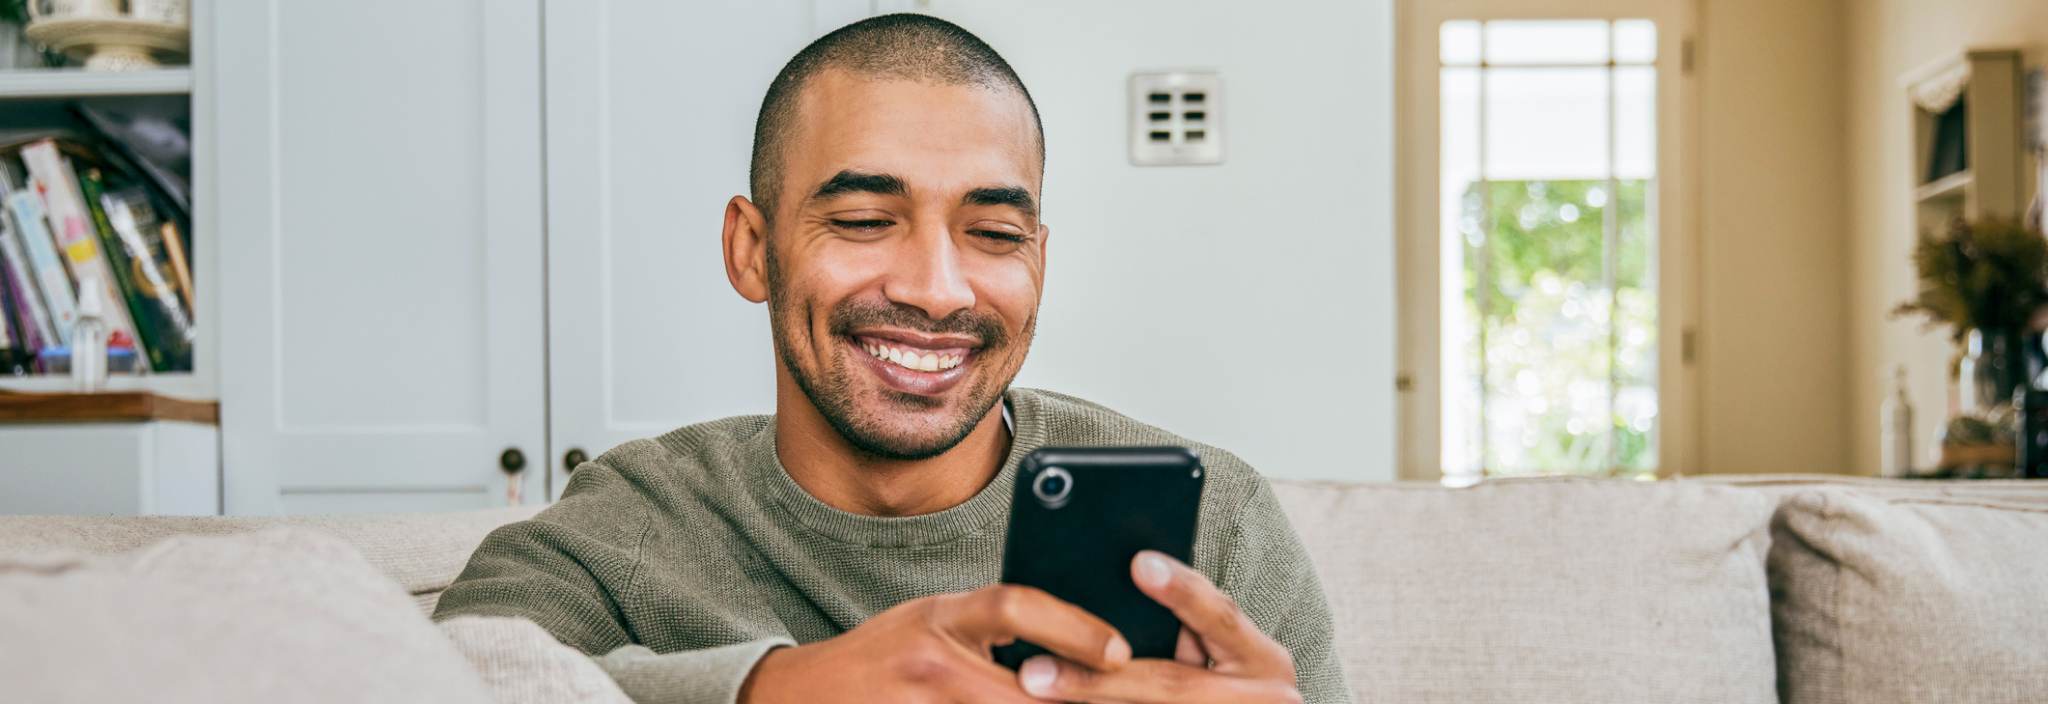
(1994, 364)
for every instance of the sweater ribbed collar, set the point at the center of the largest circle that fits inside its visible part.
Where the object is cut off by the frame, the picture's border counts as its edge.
(771, 484)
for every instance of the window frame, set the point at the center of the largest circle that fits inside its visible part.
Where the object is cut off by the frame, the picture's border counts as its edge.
(1417, 115)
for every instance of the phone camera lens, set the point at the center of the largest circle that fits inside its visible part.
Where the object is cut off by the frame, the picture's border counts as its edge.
(1052, 486)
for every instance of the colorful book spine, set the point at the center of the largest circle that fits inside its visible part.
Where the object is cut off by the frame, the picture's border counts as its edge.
(123, 269)
(11, 339)
(31, 316)
(31, 320)
(164, 316)
(51, 178)
(50, 275)
(174, 245)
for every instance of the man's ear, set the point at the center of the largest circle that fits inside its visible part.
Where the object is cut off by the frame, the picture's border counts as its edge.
(746, 249)
(1044, 251)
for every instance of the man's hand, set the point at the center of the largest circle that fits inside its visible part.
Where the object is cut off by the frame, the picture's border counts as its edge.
(1222, 656)
(936, 649)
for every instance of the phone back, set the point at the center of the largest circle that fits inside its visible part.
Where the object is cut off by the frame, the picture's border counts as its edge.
(1077, 518)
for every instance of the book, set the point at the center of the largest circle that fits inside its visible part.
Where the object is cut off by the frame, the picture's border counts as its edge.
(17, 352)
(163, 316)
(117, 260)
(174, 243)
(50, 176)
(10, 340)
(31, 319)
(50, 276)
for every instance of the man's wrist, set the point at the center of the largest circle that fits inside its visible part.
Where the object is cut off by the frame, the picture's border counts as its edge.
(759, 685)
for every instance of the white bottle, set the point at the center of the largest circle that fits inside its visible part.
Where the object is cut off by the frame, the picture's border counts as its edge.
(1895, 450)
(89, 338)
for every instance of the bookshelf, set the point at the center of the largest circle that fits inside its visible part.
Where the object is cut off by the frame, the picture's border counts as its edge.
(38, 99)
(1967, 136)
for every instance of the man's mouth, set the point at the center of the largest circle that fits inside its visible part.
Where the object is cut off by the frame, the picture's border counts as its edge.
(916, 363)
(914, 358)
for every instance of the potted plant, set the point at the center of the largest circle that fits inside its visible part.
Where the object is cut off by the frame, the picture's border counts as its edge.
(1987, 280)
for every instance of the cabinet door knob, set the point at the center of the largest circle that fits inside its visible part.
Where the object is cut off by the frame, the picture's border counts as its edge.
(512, 460)
(574, 458)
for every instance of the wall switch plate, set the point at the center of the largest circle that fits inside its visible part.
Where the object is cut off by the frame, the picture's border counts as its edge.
(1176, 118)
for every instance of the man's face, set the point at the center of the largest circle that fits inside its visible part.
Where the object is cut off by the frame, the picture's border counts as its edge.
(905, 259)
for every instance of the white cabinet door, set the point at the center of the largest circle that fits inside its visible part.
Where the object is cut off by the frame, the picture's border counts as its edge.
(650, 121)
(380, 252)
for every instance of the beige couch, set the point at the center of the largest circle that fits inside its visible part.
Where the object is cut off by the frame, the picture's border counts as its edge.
(1745, 589)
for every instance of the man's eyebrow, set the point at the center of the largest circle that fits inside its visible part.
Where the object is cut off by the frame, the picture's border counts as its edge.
(1012, 196)
(850, 181)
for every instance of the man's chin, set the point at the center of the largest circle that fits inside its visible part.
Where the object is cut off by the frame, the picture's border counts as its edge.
(902, 447)
(908, 428)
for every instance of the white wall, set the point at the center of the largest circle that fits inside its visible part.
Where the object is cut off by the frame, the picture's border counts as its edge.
(1773, 388)
(1248, 305)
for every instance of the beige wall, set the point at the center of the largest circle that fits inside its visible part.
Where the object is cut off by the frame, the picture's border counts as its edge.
(1773, 333)
(1887, 38)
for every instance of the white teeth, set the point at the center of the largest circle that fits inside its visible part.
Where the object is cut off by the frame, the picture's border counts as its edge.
(924, 362)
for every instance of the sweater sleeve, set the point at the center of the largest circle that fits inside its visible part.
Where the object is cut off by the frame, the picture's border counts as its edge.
(708, 676)
(1269, 573)
(565, 570)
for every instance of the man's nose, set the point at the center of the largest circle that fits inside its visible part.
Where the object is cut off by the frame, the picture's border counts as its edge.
(928, 274)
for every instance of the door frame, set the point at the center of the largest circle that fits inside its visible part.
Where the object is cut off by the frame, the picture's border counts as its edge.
(1417, 225)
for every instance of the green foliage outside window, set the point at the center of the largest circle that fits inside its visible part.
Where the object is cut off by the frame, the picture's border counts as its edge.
(1549, 346)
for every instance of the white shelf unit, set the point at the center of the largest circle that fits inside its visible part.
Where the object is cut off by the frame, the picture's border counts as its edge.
(76, 83)
(44, 90)
(1995, 179)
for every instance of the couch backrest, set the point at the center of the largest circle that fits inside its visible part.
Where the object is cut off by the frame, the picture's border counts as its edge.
(1551, 590)
(423, 552)
(1590, 590)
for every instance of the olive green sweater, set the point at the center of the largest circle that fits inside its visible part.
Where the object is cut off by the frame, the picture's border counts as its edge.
(678, 561)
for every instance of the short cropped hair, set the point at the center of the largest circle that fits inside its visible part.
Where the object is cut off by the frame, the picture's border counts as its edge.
(904, 46)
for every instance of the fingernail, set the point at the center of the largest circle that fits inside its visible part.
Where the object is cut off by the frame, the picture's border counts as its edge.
(1153, 570)
(1037, 676)
(1117, 652)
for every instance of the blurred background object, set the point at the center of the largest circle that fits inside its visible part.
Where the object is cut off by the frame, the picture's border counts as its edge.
(393, 240)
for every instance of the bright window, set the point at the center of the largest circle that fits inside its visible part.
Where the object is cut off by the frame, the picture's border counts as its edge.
(1548, 247)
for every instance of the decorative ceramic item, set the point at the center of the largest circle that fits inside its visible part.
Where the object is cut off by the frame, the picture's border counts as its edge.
(108, 38)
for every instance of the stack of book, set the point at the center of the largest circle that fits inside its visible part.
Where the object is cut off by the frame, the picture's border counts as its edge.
(91, 213)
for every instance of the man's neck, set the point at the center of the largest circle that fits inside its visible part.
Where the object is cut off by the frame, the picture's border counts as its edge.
(842, 476)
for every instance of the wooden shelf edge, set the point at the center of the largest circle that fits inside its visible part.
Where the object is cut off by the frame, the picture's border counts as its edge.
(108, 407)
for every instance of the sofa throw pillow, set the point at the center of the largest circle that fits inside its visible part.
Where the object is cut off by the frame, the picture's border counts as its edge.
(279, 615)
(1585, 591)
(1895, 598)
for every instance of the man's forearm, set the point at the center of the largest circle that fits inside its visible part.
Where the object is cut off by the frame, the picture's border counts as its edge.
(708, 676)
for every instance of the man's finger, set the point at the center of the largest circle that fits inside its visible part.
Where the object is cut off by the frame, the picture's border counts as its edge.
(1189, 650)
(1213, 616)
(1007, 612)
(1146, 681)
(974, 678)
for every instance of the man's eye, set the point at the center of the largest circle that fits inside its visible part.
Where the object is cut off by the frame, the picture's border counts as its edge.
(1000, 236)
(862, 224)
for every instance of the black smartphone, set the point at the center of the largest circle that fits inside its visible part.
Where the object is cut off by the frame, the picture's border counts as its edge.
(1077, 518)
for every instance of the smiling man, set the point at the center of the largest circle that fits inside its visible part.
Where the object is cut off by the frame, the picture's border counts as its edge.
(847, 547)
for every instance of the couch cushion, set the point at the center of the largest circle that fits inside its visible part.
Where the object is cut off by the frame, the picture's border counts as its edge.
(421, 551)
(523, 664)
(284, 615)
(1544, 590)
(1894, 597)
